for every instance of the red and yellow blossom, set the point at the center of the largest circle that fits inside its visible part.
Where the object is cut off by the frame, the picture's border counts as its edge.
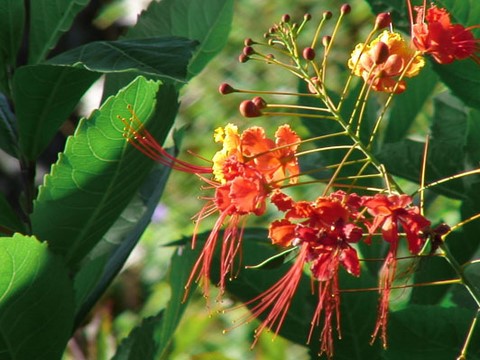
(433, 33)
(384, 61)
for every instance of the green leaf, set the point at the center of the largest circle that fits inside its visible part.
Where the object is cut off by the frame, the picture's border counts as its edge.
(8, 219)
(98, 173)
(408, 104)
(449, 136)
(11, 33)
(207, 21)
(111, 253)
(44, 96)
(48, 21)
(159, 57)
(36, 301)
(154, 335)
(430, 333)
(473, 137)
(358, 310)
(8, 128)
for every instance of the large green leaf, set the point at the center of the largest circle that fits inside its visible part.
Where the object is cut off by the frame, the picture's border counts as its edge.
(408, 105)
(44, 97)
(152, 338)
(36, 301)
(49, 19)
(207, 21)
(164, 57)
(98, 173)
(11, 32)
(430, 333)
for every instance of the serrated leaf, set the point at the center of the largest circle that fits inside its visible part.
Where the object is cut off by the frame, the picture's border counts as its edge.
(36, 301)
(48, 21)
(8, 128)
(430, 333)
(44, 96)
(164, 57)
(11, 33)
(98, 173)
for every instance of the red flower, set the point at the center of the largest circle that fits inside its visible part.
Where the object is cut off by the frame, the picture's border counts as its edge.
(434, 34)
(323, 231)
(390, 211)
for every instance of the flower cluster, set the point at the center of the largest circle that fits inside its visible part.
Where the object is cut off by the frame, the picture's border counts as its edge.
(251, 170)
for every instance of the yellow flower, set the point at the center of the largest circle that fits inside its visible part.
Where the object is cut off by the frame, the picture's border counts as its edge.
(384, 60)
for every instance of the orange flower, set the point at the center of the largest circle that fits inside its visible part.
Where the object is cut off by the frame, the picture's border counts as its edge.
(382, 62)
(434, 34)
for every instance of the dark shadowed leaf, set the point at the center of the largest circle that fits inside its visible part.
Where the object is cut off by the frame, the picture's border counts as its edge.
(48, 21)
(8, 128)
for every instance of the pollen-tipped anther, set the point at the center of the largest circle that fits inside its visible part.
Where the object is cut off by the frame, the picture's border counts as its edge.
(383, 20)
(259, 102)
(308, 53)
(225, 89)
(345, 9)
(380, 53)
(249, 109)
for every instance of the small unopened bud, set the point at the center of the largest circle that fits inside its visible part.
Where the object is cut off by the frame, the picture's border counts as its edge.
(243, 58)
(248, 50)
(308, 53)
(345, 9)
(312, 84)
(248, 42)
(259, 102)
(249, 109)
(286, 18)
(269, 57)
(225, 89)
(307, 17)
(383, 20)
(326, 40)
(327, 15)
(380, 53)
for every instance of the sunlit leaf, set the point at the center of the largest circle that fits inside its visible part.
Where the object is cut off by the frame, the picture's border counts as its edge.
(36, 301)
(98, 173)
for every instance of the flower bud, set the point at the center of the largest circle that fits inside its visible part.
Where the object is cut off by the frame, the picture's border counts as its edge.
(383, 20)
(327, 15)
(249, 109)
(248, 50)
(326, 40)
(286, 18)
(225, 89)
(380, 53)
(259, 102)
(248, 42)
(243, 58)
(308, 53)
(345, 9)
(307, 17)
